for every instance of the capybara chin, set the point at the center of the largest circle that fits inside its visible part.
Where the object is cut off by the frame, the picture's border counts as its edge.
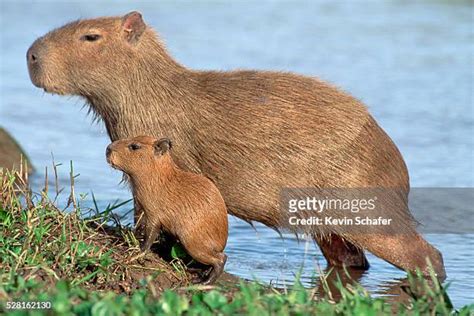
(183, 204)
(252, 133)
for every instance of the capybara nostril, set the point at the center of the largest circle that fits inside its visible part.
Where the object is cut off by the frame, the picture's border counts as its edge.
(108, 151)
(32, 55)
(35, 51)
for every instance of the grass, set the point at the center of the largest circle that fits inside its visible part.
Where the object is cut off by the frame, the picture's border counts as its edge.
(84, 262)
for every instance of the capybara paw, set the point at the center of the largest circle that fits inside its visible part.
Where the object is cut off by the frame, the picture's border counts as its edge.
(212, 276)
(144, 248)
(209, 281)
(199, 276)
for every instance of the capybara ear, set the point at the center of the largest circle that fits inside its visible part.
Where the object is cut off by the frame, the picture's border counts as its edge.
(133, 26)
(162, 146)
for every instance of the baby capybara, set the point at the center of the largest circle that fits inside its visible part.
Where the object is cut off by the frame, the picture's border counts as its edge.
(183, 204)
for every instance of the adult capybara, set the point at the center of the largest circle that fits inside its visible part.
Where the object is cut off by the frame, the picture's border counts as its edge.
(251, 132)
(183, 204)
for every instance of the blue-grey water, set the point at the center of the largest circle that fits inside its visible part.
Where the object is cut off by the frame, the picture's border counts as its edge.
(411, 63)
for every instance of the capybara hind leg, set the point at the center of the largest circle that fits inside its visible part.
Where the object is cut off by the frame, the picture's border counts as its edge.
(217, 269)
(339, 252)
(406, 251)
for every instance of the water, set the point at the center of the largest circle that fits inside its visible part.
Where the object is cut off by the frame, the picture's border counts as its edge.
(411, 63)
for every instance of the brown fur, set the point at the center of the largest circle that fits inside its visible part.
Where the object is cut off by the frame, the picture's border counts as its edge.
(251, 132)
(12, 156)
(183, 204)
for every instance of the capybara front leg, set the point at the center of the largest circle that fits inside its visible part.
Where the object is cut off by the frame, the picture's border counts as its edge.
(151, 232)
(339, 252)
(138, 216)
(217, 269)
(407, 251)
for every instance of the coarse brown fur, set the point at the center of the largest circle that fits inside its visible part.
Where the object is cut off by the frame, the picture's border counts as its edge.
(183, 204)
(251, 132)
(12, 156)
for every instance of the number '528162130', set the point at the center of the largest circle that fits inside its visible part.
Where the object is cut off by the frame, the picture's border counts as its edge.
(28, 305)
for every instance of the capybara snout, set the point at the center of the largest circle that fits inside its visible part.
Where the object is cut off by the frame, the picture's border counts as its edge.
(33, 53)
(33, 59)
(108, 151)
(185, 205)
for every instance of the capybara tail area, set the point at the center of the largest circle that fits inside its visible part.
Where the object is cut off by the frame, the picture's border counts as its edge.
(341, 253)
(407, 251)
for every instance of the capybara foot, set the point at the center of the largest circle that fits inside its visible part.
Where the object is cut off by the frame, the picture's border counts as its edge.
(216, 270)
(200, 275)
(202, 272)
(436, 261)
(341, 253)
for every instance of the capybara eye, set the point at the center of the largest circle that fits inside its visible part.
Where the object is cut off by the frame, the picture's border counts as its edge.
(134, 146)
(90, 37)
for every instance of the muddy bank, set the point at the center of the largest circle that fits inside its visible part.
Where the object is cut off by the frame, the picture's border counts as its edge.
(11, 154)
(156, 267)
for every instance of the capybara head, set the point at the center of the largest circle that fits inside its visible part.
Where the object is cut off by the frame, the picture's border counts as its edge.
(74, 58)
(136, 154)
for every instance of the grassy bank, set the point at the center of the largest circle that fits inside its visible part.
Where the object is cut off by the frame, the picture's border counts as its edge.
(83, 261)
